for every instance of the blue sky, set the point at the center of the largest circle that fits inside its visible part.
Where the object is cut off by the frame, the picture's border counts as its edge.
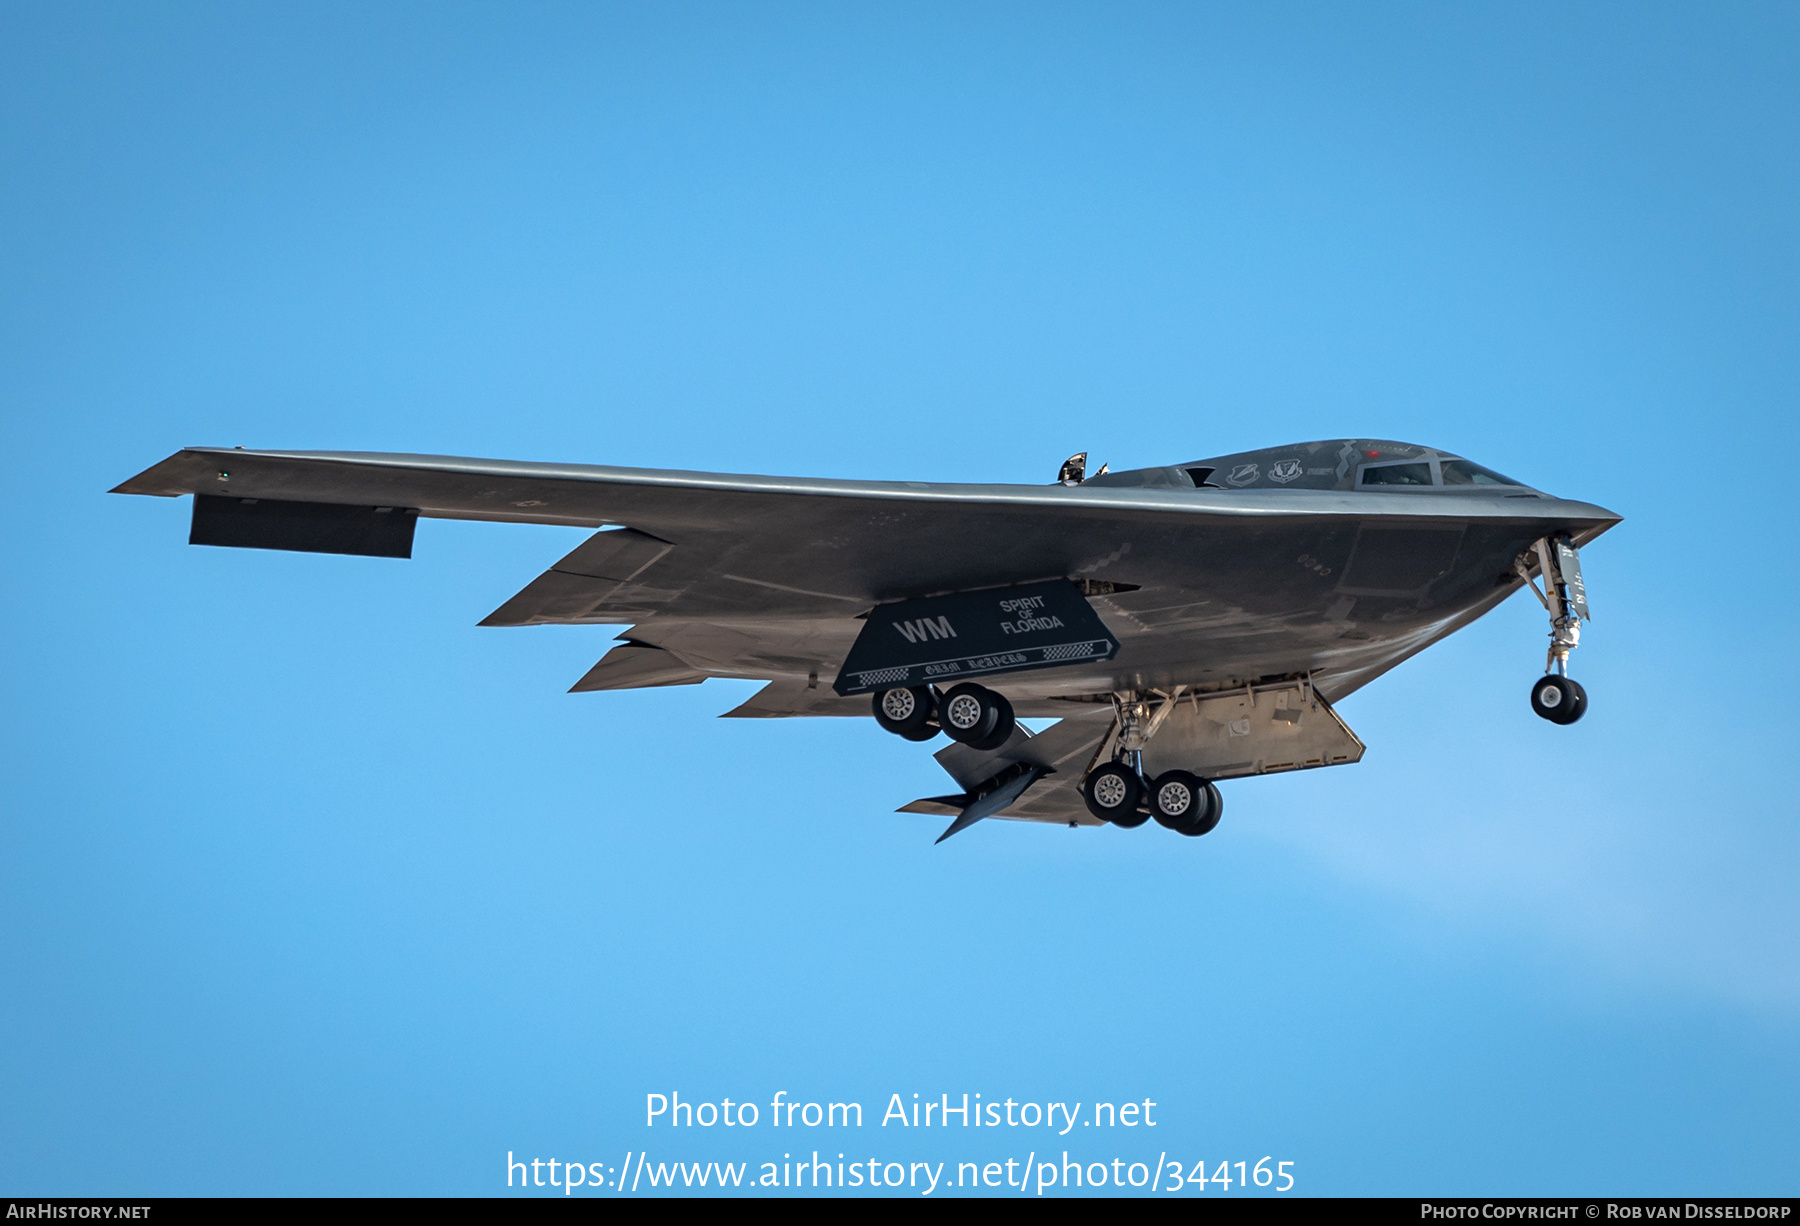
(308, 885)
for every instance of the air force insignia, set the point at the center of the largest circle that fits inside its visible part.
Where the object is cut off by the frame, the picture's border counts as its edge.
(1243, 474)
(1284, 471)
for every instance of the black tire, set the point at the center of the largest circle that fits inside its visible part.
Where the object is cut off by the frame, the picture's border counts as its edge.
(1004, 723)
(1209, 817)
(1112, 792)
(1178, 799)
(1558, 699)
(905, 712)
(924, 732)
(968, 713)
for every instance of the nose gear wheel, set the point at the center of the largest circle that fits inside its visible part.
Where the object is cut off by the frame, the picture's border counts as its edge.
(1561, 700)
(1556, 696)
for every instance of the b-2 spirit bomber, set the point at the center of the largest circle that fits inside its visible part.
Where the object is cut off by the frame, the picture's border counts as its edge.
(1185, 625)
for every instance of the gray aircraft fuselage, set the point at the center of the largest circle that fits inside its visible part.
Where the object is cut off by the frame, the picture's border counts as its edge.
(1337, 559)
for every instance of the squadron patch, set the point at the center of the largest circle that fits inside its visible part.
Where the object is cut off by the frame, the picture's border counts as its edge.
(1284, 471)
(1243, 474)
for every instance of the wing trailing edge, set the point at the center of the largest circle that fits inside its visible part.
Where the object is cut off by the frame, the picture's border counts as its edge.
(637, 666)
(574, 589)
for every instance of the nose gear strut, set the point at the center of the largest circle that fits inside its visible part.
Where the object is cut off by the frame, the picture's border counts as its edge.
(1556, 696)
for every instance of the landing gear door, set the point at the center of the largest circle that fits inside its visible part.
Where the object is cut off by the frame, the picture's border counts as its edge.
(1568, 561)
(945, 639)
(1257, 731)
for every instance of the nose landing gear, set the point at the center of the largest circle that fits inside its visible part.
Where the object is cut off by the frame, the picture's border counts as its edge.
(1561, 700)
(1556, 696)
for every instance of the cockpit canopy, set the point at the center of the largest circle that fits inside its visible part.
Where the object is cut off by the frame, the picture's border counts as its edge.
(1449, 471)
(1337, 464)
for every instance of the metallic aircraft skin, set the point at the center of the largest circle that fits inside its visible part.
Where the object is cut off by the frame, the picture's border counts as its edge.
(1331, 561)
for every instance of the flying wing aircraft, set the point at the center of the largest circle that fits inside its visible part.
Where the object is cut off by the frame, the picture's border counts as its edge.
(1185, 624)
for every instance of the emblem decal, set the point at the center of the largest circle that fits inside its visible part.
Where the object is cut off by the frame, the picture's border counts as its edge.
(1284, 471)
(1243, 474)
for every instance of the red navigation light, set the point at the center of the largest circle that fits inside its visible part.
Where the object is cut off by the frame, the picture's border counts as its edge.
(1371, 454)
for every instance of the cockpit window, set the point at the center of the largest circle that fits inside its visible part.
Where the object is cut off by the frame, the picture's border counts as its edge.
(1462, 472)
(1397, 474)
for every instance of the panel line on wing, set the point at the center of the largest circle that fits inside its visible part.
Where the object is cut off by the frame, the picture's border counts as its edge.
(798, 591)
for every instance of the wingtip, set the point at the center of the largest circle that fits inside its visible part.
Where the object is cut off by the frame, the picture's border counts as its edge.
(964, 820)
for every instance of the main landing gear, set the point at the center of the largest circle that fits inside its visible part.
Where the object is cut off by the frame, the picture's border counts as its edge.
(1179, 801)
(1185, 803)
(1556, 696)
(972, 714)
(1117, 791)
